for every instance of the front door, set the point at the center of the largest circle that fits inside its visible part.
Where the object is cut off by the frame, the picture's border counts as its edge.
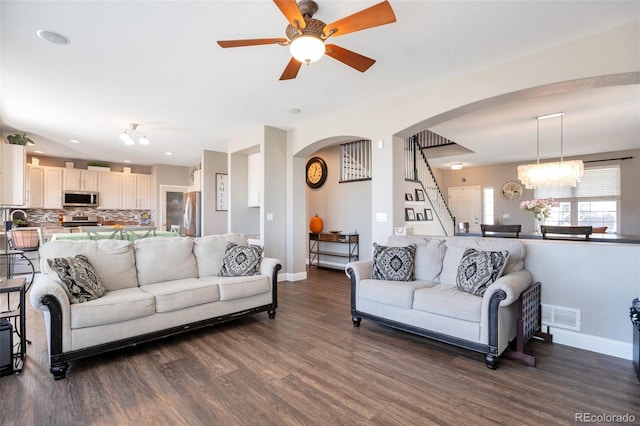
(465, 203)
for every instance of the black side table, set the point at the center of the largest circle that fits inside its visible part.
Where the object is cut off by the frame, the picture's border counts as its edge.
(16, 318)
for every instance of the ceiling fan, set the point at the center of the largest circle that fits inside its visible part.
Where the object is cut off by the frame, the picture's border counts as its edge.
(306, 36)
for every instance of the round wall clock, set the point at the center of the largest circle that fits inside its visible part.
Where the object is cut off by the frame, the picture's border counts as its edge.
(316, 172)
(512, 191)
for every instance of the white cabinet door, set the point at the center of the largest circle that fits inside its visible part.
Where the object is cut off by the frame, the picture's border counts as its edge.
(80, 180)
(52, 187)
(136, 191)
(13, 159)
(129, 191)
(71, 179)
(144, 192)
(35, 186)
(254, 170)
(89, 180)
(110, 190)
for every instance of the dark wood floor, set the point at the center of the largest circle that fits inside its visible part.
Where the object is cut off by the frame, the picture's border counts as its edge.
(311, 366)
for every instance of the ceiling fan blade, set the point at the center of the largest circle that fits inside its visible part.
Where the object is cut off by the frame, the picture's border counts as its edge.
(353, 59)
(251, 42)
(291, 71)
(290, 10)
(379, 14)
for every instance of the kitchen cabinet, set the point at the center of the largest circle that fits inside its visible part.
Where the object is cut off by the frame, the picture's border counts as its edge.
(110, 190)
(52, 187)
(80, 179)
(44, 187)
(35, 187)
(254, 178)
(136, 191)
(13, 160)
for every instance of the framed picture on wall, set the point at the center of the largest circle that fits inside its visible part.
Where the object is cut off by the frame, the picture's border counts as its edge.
(409, 214)
(408, 196)
(419, 195)
(428, 215)
(419, 216)
(222, 192)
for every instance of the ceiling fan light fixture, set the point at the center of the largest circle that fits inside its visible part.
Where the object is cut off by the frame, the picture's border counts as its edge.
(307, 48)
(127, 135)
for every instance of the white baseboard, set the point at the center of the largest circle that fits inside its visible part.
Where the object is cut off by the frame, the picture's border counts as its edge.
(295, 276)
(592, 343)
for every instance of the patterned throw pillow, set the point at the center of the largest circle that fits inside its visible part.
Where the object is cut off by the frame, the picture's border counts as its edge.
(479, 269)
(81, 281)
(241, 261)
(393, 263)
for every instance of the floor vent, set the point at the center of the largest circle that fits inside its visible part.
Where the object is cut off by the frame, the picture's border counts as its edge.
(561, 317)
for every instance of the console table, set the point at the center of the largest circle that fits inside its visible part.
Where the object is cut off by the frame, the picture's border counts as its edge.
(328, 244)
(13, 323)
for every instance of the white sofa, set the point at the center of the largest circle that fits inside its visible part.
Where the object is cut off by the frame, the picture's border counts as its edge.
(433, 306)
(155, 286)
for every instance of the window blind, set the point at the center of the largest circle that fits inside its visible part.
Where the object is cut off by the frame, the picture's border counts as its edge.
(597, 182)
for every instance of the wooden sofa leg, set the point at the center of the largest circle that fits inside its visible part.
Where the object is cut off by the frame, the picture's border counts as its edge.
(356, 321)
(59, 371)
(272, 313)
(491, 360)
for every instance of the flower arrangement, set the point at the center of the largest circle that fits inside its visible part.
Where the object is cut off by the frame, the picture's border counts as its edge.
(634, 313)
(540, 207)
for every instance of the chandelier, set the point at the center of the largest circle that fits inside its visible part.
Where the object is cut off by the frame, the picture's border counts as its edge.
(128, 134)
(555, 174)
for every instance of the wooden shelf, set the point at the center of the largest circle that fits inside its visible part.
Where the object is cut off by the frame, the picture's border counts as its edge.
(348, 240)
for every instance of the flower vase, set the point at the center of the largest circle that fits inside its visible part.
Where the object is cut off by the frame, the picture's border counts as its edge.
(539, 223)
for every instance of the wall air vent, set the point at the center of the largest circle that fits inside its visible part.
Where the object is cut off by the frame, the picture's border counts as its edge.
(561, 317)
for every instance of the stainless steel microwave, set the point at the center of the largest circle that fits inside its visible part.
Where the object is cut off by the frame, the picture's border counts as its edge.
(80, 199)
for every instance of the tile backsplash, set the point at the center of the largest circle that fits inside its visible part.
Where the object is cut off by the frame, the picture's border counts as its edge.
(48, 218)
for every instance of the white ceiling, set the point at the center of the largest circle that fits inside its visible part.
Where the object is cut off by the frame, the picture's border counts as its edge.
(157, 63)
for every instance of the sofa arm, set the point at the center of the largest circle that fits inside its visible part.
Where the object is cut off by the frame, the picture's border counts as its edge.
(361, 270)
(268, 266)
(43, 286)
(512, 284)
(48, 296)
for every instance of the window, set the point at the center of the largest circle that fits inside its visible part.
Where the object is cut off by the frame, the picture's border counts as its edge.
(593, 202)
(487, 200)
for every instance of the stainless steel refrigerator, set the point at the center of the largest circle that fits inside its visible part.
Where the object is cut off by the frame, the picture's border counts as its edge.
(191, 220)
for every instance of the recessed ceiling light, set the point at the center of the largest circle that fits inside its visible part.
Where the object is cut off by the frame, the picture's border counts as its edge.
(52, 37)
(127, 161)
(74, 141)
(294, 110)
(456, 166)
(168, 153)
(38, 152)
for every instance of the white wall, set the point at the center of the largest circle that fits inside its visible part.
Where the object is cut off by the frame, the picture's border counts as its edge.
(599, 279)
(343, 207)
(214, 221)
(390, 120)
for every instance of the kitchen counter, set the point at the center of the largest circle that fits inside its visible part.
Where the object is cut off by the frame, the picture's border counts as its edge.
(593, 238)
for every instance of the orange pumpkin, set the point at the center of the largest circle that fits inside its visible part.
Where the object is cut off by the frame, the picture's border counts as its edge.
(316, 224)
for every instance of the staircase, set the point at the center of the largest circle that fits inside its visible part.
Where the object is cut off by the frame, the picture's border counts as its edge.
(417, 169)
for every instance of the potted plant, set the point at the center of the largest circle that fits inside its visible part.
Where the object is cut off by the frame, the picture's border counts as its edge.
(99, 166)
(19, 222)
(20, 139)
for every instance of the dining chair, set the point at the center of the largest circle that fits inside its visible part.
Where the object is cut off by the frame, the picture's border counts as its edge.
(102, 232)
(501, 231)
(552, 232)
(135, 233)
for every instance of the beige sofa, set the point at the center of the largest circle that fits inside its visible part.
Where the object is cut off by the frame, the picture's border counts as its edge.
(433, 306)
(155, 286)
